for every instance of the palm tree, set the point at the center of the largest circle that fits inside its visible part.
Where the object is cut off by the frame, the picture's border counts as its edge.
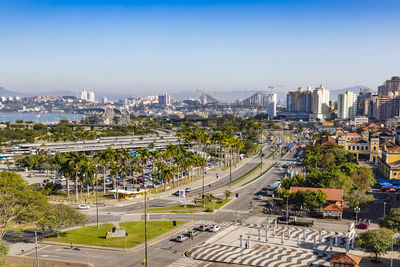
(124, 157)
(89, 170)
(167, 174)
(74, 160)
(104, 158)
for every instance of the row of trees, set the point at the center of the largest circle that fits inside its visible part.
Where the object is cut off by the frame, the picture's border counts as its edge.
(172, 166)
(333, 167)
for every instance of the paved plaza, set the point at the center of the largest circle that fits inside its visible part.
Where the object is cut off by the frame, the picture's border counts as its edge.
(248, 244)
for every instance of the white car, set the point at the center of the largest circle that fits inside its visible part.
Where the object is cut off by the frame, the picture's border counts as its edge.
(181, 238)
(83, 207)
(214, 228)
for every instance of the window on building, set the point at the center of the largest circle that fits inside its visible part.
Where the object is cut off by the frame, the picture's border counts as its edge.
(374, 148)
(362, 148)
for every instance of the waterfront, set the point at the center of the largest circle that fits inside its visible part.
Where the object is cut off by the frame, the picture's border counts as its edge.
(39, 117)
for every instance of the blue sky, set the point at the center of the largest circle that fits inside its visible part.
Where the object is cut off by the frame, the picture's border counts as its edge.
(145, 47)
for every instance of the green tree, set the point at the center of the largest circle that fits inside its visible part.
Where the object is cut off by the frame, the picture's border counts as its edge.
(227, 194)
(3, 252)
(60, 216)
(358, 198)
(378, 241)
(391, 220)
(18, 203)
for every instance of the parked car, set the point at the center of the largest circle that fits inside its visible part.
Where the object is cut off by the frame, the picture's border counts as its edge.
(214, 228)
(181, 238)
(203, 227)
(83, 207)
(362, 226)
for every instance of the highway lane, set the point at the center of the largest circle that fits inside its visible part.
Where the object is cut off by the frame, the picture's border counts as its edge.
(170, 201)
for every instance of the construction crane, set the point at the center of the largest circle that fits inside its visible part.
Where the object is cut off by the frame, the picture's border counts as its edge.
(271, 87)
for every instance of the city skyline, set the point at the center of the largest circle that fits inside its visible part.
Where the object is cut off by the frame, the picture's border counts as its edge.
(151, 47)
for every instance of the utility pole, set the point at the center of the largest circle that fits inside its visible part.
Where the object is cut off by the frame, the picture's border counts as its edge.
(287, 209)
(145, 224)
(203, 200)
(97, 206)
(36, 250)
(230, 168)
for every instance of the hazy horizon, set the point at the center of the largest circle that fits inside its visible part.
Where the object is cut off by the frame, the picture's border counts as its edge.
(150, 47)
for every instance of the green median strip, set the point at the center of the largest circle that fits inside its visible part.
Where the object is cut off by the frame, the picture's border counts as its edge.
(247, 174)
(264, 172)
(90, 235)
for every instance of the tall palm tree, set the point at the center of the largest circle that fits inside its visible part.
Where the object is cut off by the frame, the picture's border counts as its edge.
(105, 158)
(89, 170)
(74, 160)
(124, 157)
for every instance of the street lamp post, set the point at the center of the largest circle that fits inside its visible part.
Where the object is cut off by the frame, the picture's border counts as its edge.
(262, 156)
(384, 208)
(287, 209)
(356, 210)
(23, 259)
(391, 254)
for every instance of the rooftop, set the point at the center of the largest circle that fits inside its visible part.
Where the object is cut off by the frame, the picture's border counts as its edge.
(331, 194)
(346, 258)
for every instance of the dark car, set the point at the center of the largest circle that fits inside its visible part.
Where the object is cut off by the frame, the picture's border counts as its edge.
(203, 227)
(192, 233)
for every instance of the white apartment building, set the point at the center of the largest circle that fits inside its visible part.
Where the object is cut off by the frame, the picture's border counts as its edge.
(347, 105)
(84, 95)
(320, 103)
(271, 104)
(91, 97)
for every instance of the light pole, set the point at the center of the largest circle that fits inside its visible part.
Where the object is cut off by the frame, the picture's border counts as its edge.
(391, 254)
(23, 259)
(384, 208)
(356, 210)
(262, 156)
(287, 209)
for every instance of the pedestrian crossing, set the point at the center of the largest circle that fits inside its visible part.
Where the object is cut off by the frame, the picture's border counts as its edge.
(210, 222)
(235, 211)
(260, 255)
(186, 262)
(287, 161)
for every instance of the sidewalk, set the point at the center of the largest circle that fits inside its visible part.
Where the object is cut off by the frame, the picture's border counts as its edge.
(209, 178)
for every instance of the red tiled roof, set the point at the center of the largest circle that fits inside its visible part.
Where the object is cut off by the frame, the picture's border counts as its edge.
(331, 194)
(359, 141)
(333, 207)
(386, 143)
(346, 258)
(394, 149)
(349, 134)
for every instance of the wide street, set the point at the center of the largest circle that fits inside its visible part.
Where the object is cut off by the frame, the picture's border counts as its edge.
(168, 252)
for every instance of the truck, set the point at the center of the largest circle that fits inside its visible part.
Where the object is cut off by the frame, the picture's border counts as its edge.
(301, 222)
(273, 189)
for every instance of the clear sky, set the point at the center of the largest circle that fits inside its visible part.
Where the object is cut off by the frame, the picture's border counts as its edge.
(148, 46)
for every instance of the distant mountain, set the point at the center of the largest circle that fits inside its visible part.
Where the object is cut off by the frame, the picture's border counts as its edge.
(7, 93)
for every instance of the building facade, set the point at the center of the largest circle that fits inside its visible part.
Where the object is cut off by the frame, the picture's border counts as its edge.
(164, 100)
(347, 105)
(271, 104)
(320, 103)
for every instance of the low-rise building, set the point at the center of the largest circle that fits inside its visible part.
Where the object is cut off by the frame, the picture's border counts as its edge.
(389, 163)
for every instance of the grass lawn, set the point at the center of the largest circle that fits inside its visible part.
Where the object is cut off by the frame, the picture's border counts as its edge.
(90, 235)
(176, 209)
(217, 204)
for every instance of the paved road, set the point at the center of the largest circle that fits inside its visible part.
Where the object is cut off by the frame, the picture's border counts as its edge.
(172, 200)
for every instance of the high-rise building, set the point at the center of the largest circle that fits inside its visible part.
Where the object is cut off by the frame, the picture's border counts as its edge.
(299, 101)
(390, 87)
(320, 103)
(91, 97)
(84, 95)
(271, 104)
(347, 105)
(164, 100)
